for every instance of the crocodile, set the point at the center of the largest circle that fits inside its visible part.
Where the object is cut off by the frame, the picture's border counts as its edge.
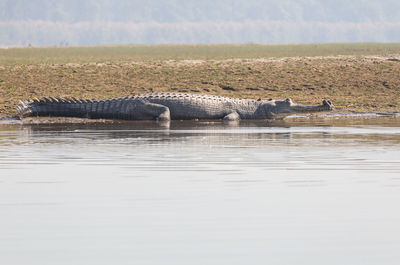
(166, 106)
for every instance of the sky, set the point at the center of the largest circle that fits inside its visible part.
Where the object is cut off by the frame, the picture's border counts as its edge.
(104, 22)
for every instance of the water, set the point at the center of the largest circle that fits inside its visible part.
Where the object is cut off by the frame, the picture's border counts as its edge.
(286, 192)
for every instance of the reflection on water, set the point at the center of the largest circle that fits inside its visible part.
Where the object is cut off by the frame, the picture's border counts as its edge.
(298, 192)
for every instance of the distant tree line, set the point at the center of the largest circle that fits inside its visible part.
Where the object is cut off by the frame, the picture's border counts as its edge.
(96, 22)
(177, 11)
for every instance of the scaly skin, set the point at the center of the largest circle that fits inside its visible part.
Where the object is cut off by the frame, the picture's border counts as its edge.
(166, 106)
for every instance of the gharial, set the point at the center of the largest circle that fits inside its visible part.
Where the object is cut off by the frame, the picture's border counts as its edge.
(166, 106)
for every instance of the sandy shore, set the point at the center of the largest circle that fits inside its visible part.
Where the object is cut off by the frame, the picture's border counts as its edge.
(68, 120)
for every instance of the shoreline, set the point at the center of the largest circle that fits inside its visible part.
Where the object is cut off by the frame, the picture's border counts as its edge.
(294, 117)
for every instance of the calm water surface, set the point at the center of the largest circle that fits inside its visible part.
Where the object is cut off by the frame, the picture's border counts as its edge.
(300, 192)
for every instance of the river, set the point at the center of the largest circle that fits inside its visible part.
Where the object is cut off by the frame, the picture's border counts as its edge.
(283, 192)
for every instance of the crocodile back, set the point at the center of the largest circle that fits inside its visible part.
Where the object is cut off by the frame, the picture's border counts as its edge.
(192, 106)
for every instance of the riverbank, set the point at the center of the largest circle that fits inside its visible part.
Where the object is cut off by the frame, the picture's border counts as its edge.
(366, 81)
(344, 119)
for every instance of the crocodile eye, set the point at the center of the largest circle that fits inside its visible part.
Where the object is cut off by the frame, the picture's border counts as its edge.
(288, 100)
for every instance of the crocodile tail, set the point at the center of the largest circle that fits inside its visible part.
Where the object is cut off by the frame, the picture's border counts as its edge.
(24, 108)
(50, 106)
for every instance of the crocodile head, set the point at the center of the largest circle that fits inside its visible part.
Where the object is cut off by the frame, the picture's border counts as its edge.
(287, 107)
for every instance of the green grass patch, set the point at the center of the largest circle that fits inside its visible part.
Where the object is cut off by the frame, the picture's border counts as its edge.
(127, 53)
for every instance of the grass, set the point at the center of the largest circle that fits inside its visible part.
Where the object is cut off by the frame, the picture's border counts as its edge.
(127, 53)
(352, 82)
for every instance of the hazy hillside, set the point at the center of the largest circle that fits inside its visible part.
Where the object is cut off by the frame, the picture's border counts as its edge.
(91, 22)
(200, 11)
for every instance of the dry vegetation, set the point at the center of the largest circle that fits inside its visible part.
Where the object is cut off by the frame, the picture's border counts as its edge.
(352, 83)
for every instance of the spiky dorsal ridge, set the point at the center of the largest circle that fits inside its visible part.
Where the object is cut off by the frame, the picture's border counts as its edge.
(57, 100)
(24, 108)
(177, 95)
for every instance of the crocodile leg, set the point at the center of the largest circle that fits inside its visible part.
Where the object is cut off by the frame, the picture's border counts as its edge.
(144, 110)
(233, 116)
(164, 115)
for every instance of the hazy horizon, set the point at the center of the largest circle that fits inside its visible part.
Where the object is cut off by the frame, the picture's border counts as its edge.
(107, 22)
